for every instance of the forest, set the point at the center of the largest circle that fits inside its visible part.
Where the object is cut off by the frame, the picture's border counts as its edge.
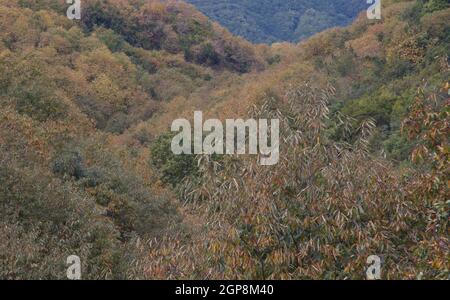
(86, 166)
(269, 21)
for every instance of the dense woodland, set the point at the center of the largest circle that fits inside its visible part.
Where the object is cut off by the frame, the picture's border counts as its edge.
(269, 21)
(86, 166)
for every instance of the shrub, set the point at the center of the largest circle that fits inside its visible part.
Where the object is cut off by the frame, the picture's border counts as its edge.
(172, 168)
(69, 163)
(273, 60)
(40, 107)
(207, 55)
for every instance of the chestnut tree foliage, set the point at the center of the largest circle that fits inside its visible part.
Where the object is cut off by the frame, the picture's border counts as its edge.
(323, 209)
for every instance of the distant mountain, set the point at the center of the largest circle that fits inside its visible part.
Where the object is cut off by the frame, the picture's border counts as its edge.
(268, 21)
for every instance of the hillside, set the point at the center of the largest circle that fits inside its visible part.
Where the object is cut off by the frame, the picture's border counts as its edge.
(68, 91)
(86, 166)
(269, 21)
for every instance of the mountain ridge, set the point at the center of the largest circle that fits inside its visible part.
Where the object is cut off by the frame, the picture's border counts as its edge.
(279, 20)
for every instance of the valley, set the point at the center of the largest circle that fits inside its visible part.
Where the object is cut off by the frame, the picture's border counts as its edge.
(86, 165)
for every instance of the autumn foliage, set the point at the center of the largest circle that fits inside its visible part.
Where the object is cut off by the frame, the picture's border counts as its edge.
(86, 167)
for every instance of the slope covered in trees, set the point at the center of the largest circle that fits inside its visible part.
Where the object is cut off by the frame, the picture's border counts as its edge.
(68, 90)
(86, 166)
(268, 21)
